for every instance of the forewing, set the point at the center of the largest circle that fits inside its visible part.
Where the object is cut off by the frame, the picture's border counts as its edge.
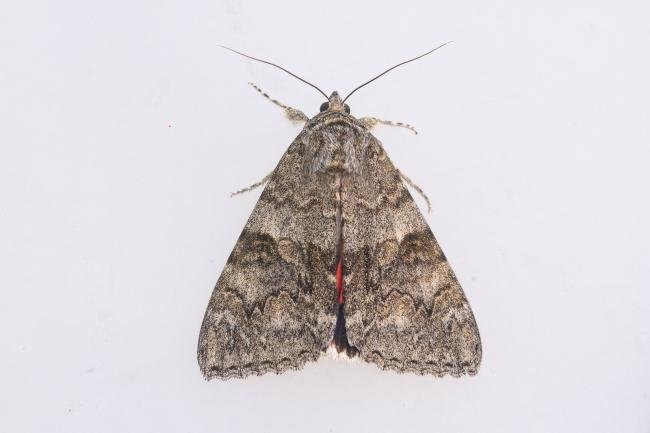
(404, 307)
(273, 307)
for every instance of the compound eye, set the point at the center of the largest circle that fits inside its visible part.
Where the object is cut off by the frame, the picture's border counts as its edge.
(346, 107)
(324, 106)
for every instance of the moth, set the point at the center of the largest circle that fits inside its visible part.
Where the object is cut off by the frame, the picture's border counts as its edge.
(337, 257)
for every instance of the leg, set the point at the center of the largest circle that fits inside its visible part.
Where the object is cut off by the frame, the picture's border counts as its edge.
(253, 186)
(417, 188)
(371, 122)
(294, 115)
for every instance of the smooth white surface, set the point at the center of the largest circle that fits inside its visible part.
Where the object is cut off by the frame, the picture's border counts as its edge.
(124, 128)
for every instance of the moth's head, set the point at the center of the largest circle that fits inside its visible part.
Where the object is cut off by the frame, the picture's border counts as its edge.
(334, 103)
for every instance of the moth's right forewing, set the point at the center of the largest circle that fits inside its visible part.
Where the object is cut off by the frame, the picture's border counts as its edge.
(405, 309)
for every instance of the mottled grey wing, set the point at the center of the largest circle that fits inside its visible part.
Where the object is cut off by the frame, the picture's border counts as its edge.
(274, 307)
(404, 307)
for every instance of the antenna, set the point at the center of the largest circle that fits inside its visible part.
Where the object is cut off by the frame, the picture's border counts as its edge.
(391, 68)
(277, 66)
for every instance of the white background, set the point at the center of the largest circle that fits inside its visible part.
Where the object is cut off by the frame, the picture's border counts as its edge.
(124, 128)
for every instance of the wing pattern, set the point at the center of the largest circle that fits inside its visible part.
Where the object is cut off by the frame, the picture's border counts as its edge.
(273, 307)
(335, 195)
(404, 307)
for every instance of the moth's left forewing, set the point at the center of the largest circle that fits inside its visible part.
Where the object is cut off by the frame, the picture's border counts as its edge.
(404, 307)
(272, 308)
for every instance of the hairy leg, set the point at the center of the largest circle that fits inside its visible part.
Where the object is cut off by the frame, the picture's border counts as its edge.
(294, 115)
(371, 122)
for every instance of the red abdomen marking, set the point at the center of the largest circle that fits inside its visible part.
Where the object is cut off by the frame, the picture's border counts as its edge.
(339, 274)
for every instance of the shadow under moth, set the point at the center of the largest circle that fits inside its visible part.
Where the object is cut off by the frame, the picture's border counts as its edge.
(337, 257)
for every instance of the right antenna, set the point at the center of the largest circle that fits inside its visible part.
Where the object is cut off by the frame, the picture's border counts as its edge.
(391, 68)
